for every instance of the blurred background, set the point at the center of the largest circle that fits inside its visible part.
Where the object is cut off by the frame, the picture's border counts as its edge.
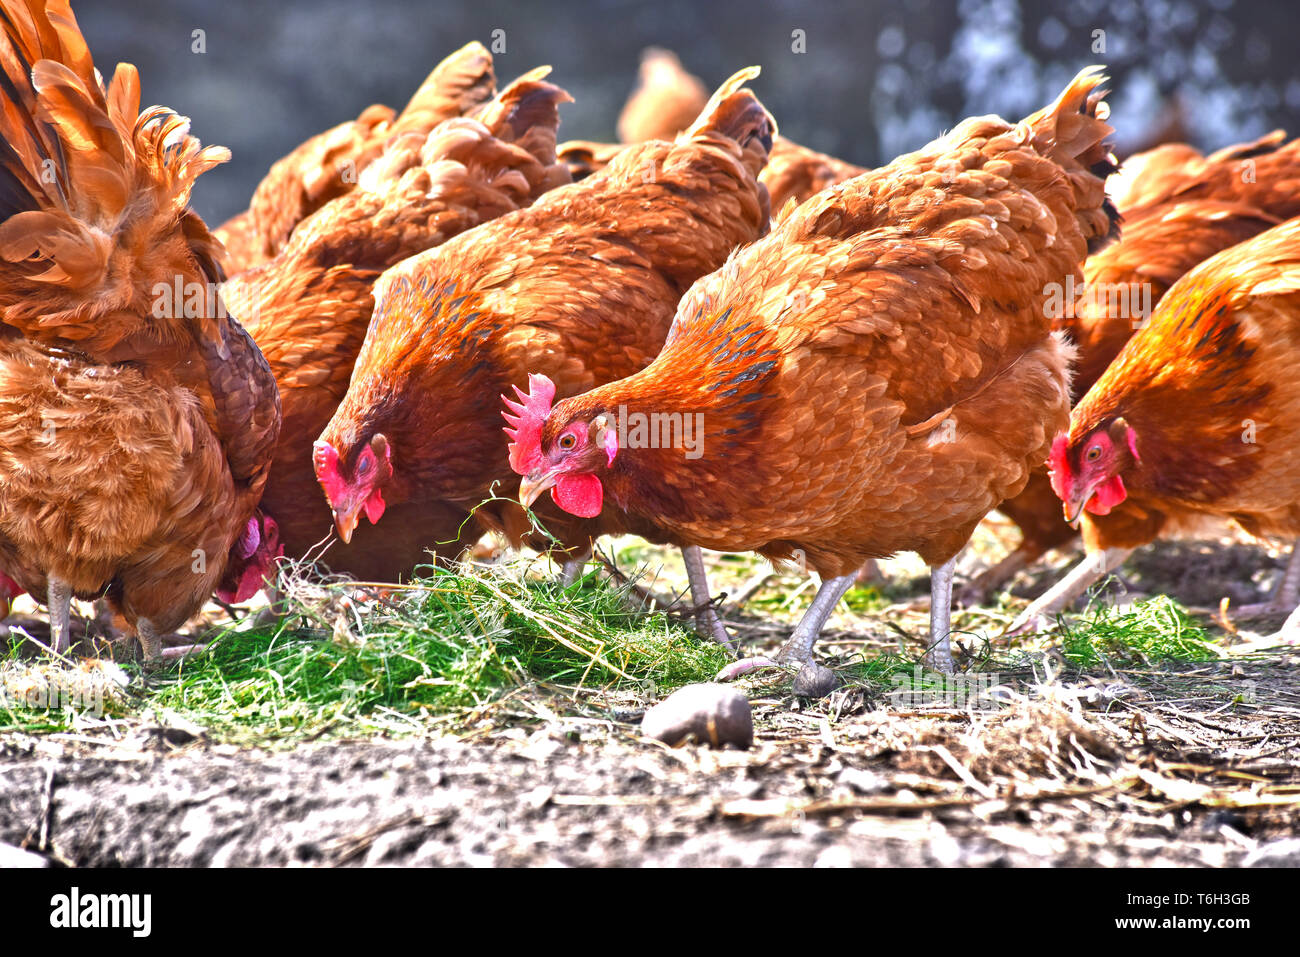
(873, 80)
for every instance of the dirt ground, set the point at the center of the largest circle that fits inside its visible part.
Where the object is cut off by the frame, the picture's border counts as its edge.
(1088, 775)
(1186, 764)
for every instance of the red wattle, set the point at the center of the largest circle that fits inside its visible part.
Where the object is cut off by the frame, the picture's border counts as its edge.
(1109, 494)
(1059, 466)
(580, 495)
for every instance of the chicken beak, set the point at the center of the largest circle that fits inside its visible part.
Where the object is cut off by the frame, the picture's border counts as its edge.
(346, 522)
(532, 486)
(1078, 501)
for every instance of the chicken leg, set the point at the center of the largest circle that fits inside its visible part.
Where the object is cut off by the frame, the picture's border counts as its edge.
(59, 601)
(938, 653)
(1060, 596)
(150, 641)
(798, 649)
(571, 568)
(706, 615)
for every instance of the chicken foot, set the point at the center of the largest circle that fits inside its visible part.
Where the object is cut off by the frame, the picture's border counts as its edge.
(154, 652)
(1060, 596)
(798, 650)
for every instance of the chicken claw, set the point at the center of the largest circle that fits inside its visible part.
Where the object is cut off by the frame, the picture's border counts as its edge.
(744, 666)
(812, 680)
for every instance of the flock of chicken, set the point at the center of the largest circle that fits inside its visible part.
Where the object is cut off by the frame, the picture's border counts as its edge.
(872, 369)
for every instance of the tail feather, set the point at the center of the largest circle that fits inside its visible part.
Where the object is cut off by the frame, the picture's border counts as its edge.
(584, 157)
(1266, 144)
(326, 166)
(455, 87)
(527, 114)
(78, 167)
(737, 114)
(1073, 131)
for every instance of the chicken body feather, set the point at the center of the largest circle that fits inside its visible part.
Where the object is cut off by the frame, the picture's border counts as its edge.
(138, 419)
(1180, 208)
(329, 164)
(582, 284)
(309, 308)
(878, 372)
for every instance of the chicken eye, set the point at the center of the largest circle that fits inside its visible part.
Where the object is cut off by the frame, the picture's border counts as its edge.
(568, 441)
(363, 466)
(1094, 453)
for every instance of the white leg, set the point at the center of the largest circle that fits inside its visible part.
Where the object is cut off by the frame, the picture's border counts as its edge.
(149, 640)
(571, 569)
(59, 602)
(939, 654)
(813, 680)
(707, 618)
(1060, 596)
(800, 646)
(1290, 630)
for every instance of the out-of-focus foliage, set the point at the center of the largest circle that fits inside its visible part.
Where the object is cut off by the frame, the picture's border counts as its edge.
(875, 79)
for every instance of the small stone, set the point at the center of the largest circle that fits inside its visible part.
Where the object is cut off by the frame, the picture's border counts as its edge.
(814, 681)
(711, 714)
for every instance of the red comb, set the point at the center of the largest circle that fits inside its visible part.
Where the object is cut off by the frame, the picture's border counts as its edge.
(1060, 467)
(526, 419)
(325, 460)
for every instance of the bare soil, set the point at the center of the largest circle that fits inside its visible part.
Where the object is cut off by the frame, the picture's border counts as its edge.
(1188, 764)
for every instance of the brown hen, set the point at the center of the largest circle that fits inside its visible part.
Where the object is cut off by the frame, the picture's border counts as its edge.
(330, 163)
(1198, 417)
(136, 419)
(1189, 207)
(874, 376)
(581, 285)
(308, 310)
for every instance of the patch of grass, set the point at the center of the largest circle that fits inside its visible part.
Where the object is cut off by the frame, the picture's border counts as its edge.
(1155, 629)
(441, 650)
(865, 599)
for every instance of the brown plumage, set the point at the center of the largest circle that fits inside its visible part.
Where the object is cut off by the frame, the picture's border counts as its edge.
(136, 419)
(797, 173)
(309, 307)
(581, 285)
(1180, 208)
(876, 374)
(584, 157)
(666, 100)
(1199, 415)
(330, 163)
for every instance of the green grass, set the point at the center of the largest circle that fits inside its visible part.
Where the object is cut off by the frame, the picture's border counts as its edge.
(442, 651)
(1155, 629)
